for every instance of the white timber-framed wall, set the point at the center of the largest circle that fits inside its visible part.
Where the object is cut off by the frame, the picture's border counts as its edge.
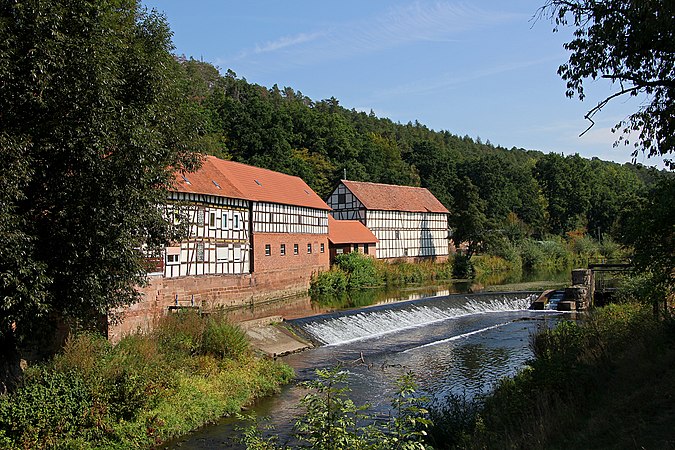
(401, 234)
(290, 219)
(218, 240)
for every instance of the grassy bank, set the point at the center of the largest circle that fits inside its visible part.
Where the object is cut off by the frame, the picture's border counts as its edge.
(605, 382)
(149, 388)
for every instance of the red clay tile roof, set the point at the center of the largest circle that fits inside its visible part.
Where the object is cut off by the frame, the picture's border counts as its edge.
(395, 198)
(236, 180)
(349, 232)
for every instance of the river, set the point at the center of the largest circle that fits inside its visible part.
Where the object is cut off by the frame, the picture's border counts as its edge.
(460, 343)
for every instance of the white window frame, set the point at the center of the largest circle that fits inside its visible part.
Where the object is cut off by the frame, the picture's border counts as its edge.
(222, 253)
(223, 223)
(282, 249)
(268, 250)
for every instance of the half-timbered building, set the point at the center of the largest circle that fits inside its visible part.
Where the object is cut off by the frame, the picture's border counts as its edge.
(244, 219)
(409, 222)
(252, 234)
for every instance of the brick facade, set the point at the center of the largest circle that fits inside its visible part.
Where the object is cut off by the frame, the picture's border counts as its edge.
(316, 260)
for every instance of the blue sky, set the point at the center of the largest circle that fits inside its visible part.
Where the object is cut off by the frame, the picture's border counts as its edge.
(485, 68)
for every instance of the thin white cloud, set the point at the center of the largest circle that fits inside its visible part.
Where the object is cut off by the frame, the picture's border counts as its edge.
(286, 41)
(448, 81)
(422, 21)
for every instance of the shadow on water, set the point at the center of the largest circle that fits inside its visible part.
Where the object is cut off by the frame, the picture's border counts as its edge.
(451, 340)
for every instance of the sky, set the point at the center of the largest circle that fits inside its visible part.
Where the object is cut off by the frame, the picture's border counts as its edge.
(484, 69)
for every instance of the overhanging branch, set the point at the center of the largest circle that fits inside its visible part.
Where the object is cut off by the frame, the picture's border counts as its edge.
(589, 115)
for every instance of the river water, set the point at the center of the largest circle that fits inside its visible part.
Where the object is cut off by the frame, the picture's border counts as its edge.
(451, 343)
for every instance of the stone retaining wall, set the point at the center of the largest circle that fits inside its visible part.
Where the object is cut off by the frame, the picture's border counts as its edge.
(163, 295)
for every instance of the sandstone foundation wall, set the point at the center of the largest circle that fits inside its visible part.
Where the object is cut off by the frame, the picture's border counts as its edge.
(206, 292)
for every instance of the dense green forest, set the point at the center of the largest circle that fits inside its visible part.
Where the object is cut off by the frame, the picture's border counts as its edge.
(486, 187)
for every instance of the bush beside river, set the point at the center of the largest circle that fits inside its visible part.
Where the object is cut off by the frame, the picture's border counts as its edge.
(147, 389)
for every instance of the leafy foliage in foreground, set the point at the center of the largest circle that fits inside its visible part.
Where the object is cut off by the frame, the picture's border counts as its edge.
(332, 421)
(94, 395)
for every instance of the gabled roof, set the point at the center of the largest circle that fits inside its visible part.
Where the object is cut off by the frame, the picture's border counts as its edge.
(390, 197)
(235, 180)
(349, 232)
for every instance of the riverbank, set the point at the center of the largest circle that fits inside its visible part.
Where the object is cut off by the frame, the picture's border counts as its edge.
(145, 390)
(606, 382)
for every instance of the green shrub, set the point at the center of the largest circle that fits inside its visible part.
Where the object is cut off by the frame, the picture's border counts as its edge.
(489, 264)
(48, 407)
(180, 333)
(224, 340)
(331, 282)
(462, 267)
(532, 254)
(611, 250)
(360, 269)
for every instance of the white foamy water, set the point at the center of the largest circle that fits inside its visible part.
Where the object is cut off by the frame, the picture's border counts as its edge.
(374, 323)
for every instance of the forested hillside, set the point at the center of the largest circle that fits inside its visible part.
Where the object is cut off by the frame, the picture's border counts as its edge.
(486, 187)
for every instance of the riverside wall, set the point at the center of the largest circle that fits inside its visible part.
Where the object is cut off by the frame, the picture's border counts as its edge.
(208, 292)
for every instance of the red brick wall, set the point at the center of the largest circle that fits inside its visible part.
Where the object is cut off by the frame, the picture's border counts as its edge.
(312, 262)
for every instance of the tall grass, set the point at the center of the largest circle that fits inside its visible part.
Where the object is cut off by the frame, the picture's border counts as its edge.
(190, 371)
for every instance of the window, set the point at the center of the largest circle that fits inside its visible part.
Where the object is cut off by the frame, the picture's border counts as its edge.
(200, 217)
(309, 248)
(323, 247)
(212, 219)
(172, 256)
(237, 253)
(295, 249)
(397, 234)
(342, 198)
(365, 249)
(268, 250)
(223, 224)
(221, 253)
(282, 250)
(236, 219)
(200, 252)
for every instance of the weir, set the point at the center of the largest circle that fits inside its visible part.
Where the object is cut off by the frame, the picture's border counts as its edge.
(349, 326)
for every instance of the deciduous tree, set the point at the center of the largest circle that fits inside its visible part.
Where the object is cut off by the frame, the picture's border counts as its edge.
(632, 44)
(92, 126)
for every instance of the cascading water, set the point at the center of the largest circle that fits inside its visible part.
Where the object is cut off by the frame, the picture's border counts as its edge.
(374, 322)
(459, 344)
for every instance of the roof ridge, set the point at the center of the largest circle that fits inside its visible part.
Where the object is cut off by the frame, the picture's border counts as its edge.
(384, 184)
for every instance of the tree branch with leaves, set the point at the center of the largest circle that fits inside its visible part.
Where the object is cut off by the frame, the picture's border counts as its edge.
(631, 43)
